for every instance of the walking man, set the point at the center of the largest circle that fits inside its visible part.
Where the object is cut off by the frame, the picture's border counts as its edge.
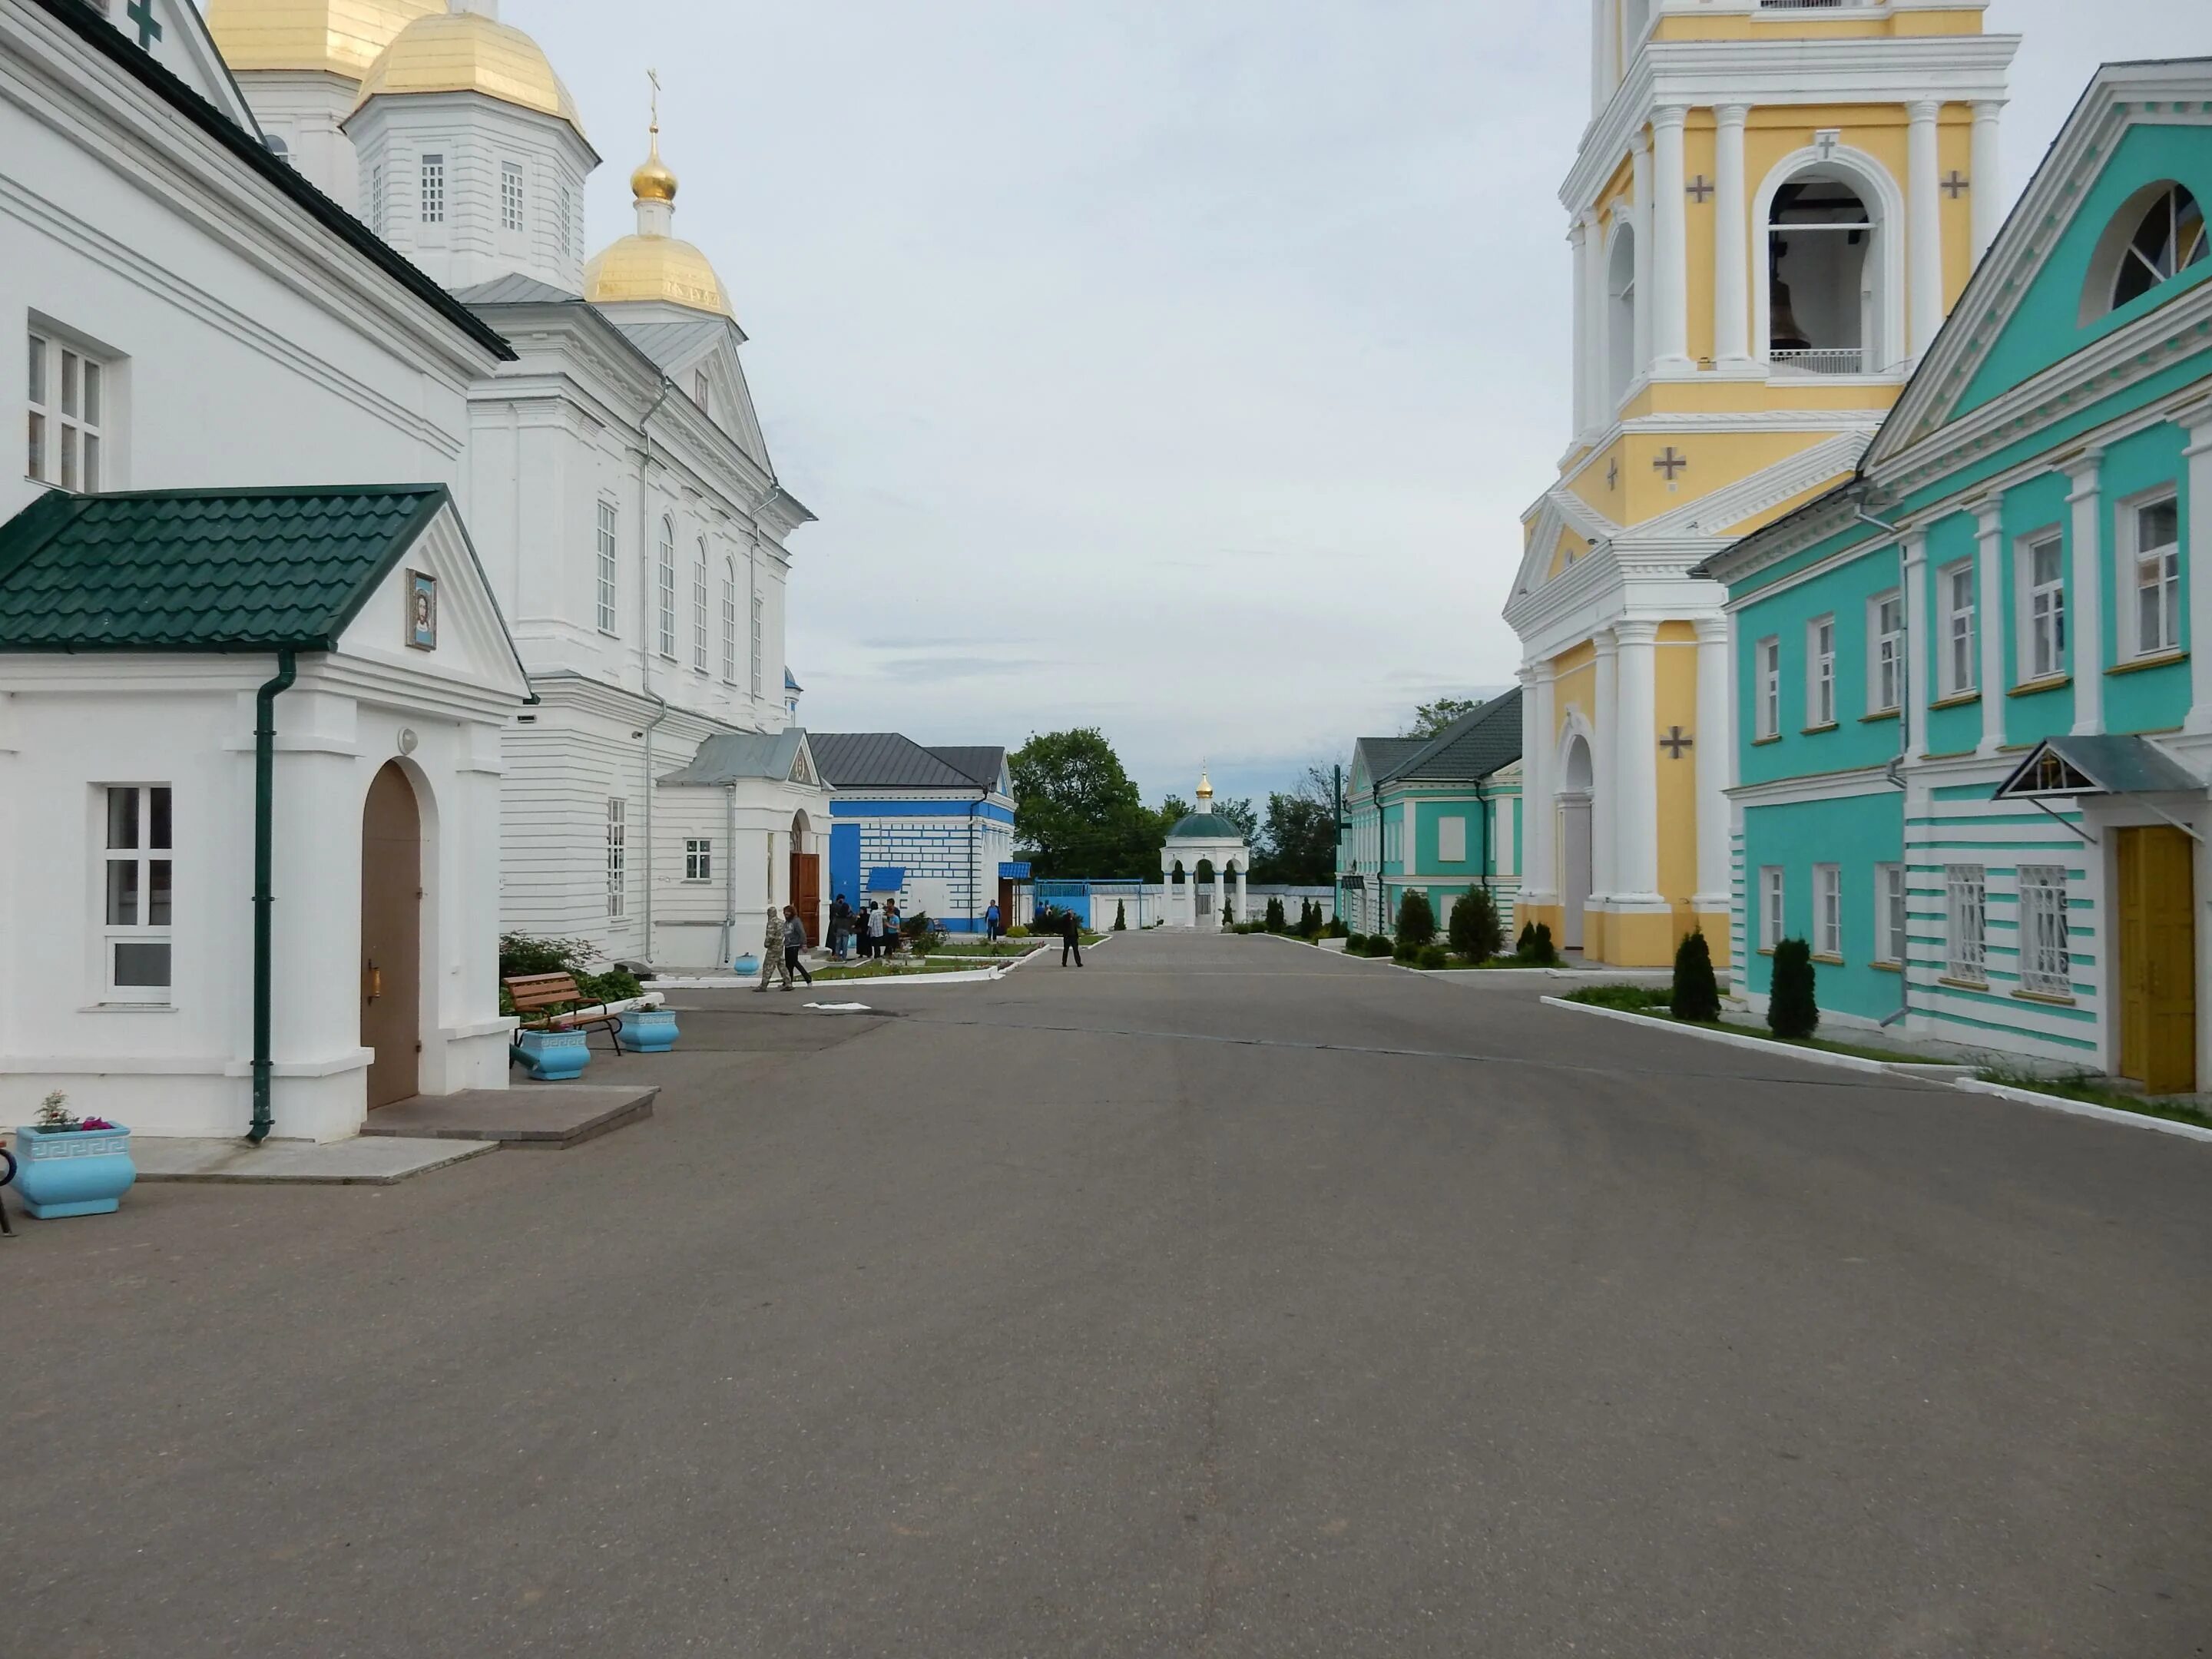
(1071, 939)
(990, 922)
(794, 941)
(841, 927)
(772, 957)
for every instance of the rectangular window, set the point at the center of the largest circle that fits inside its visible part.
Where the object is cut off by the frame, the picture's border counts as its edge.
(510, 196)
(1886, 652)
(698, 860)
(1828, 909)
(758, 611)
(2043, 576)
(137, 883)
(2157, 534)
(1770, 905)
(1821, 672)
(1889, 913)
(433, 189)
(614, 851)
(1451, 839)
(606, 597)
(68, 414)
(1770, 687)
(1960, 648)
(1963, 890)
(665, 589)
(2046, 963)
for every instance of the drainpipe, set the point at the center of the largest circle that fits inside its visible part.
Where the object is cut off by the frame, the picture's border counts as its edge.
(265, 839)
(1895, 772)
(729, 873)
(647, 625)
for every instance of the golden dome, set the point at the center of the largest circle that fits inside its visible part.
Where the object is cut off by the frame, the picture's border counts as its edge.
(1204, 789)
(654, 181)
(467, 51)
(640, 267)
(341, 37)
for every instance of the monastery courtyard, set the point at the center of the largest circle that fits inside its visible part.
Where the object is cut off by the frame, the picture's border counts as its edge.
(1224, 1297)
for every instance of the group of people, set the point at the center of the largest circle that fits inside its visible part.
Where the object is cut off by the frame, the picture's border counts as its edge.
(781, 946)
(872, 930)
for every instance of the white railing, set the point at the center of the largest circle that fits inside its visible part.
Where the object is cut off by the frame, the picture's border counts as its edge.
(1827, 360)
(1813, 5)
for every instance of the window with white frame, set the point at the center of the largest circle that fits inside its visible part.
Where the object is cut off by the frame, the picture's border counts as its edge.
(665, 588)
(699, 611)
(606, 567)
(510, 196)
(136, 887)
(1960, 650)
(759, 613)
(2046, 963)
(1828, 909)
(1821, 672)
(1451, 839)
(1771, 892)
(433, 189)
(729, 621)
(1884, 653)
(698, 860)
(2042, 609)
(1964, 889)
(616, 831)
(2154, 531)
(68, 397)
(1889, 913)
(1769, 658)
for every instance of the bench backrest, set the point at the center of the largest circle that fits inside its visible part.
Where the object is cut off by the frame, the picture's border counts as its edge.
(533, 991)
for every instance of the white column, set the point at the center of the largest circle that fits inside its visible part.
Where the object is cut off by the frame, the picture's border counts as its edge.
(1243, 913)
(1602, 54)
(1635, 765)
(1924, 211)
(1715, 755)
(1578, 240)
(1919, 657)
(1670, 247)
(1987, 188)
(2197, 559)
(1605, 790)
(1992, 616)
(1640, 151)
(1538, 881)
(1220, 891)
(1731, 241)
(2085, 621)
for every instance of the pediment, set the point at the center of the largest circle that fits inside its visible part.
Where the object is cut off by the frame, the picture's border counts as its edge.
(172, 33)
(1560, 512)
(433, 614)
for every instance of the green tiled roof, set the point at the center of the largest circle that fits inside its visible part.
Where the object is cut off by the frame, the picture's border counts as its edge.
(202, 570)
(1468, 751)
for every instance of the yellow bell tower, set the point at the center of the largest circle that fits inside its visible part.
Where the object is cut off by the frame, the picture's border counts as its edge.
(1775, 204)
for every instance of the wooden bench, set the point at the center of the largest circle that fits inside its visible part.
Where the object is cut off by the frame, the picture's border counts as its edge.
(538, 997)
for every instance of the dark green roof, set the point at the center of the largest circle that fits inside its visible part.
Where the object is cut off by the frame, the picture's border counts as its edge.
(202, 570)
(1468, 751)
(1209, 824)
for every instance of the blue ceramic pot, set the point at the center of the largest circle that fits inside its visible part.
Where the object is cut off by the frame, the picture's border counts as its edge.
(649, 1031)
(552, 1057)
(73, 1171)
(745, 966)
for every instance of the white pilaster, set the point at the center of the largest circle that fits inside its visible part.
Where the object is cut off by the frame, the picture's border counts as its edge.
(1243, 913)
(1578, 240)
(1716, 752)
(1635, 765)
(1993, 616)
(1597, 394)
(1924, 211)
(1731, 241)
(1640, 152)
(1671, 243)
(1538, 881)
(1605, 788)
(2197, 559)
(1602, 52)
(1919, 658)
(1988, 186)
(2085, 622)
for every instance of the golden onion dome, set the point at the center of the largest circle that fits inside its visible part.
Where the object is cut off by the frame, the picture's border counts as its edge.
(468, 52)
(654, 181)
(338, 37)
(641, 267)
(1205, 788)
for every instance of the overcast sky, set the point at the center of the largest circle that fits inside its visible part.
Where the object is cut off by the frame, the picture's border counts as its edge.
(1178, 369)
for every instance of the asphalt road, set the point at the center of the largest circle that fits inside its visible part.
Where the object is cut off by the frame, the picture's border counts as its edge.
(1224, 1297)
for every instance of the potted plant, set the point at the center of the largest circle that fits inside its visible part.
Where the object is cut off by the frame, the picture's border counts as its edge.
(650, 1031)
(72, 1165)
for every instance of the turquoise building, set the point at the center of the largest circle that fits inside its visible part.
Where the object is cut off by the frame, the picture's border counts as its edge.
(1441, 814)
(1973, 717)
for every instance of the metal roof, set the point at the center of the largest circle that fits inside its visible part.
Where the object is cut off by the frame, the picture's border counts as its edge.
(740, 757)
(672, 343)
(516, 289)
(885, 879)
(2112, 764)
(1206, 826)
(985, 765)
(1382, 754)
(1469, 749)
(883, 760)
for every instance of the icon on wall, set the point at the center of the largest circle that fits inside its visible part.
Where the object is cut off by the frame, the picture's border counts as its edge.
(421, 611)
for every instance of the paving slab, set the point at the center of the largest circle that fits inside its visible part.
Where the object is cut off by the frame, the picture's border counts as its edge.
(545, 1116)
(360, 1162)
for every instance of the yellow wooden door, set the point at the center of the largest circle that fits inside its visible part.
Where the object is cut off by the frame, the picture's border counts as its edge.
(2158, 960)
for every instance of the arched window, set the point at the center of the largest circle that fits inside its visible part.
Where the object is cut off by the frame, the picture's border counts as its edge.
(1823, 316)
(667, 588)
(1620, 315)
(2158, 233)
(699, 609)
(729, 621)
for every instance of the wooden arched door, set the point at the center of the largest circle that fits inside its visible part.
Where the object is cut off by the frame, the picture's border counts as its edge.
(391, 936)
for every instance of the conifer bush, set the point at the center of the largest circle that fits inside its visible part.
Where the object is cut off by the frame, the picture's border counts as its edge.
(1120, 917)
(1527, 942)
(1476, 932)
(1417, 920)
(1536, 948)
(1697, 992)
(1791, 1011)
(1275, 923)
(1432, 957)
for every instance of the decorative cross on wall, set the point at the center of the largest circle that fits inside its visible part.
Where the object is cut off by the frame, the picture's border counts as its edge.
(141, 12)
(1675, 742)
(1612, 474)
(1957, 185)
(1669, 462)
(1700, 188)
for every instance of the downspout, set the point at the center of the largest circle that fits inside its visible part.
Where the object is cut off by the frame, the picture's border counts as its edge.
(645, 627)
(1895, 772)
(974, 873)
(729, 873)
(265, 842)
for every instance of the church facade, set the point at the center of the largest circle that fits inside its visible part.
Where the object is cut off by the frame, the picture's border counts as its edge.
(1771, 213)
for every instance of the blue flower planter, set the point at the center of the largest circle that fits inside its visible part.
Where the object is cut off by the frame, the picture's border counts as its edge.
(73, 1171)
(745, 966)
(552, 1057)
(649, 1031)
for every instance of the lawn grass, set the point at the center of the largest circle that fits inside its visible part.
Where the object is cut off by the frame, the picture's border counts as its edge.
(1655, 1000)
(1004, 948)
(904, 968)
(2092, 1091)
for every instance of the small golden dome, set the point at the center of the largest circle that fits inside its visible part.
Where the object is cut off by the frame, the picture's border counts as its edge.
(338, 37)
(654, 181)
(467, 51)
(654, 268)
(1204, 789)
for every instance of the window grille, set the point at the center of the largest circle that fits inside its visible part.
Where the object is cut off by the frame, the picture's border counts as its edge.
(2046, 963)
(510, 196)
(616, 831)
(1964, 891)
(433, 189)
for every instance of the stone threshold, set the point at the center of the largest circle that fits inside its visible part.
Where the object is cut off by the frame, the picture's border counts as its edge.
(363, 1161)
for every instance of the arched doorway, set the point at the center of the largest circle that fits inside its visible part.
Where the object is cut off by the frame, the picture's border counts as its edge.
(805, 877)
(1575, 776)
(391, 936)
(1829, 300)
(1202, 913)
(1620, 316)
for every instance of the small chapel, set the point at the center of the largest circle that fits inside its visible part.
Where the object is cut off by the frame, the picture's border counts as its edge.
(1204, 866)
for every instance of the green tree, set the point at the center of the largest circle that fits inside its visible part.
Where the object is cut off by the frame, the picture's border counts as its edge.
(1791, 1011)
(1475, 933)
(1297, 845)
(1431, 718)
(1076, 810)
(1697, 992)
(1120, 917)
(1417, 920)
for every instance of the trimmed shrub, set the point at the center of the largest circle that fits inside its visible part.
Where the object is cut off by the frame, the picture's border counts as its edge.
(1433, 957)
(1791, 1011)
(1536, 947)
(1629, 998)
(1697, 994)
(1476, 932)
(1417, 920)
(1120, 917)
(1527, 942)
(1337, 929)
(1378, 944)
(1019, 930)
(520, 954)
(1355, 944)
